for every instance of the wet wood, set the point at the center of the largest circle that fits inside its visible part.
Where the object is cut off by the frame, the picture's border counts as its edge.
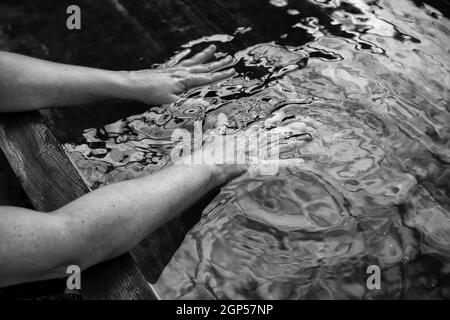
(116, 35)
(51, 181)
(38, 160)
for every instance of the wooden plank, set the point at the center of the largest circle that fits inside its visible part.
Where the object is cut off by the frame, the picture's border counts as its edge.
(46, 174)
(43, 35)
(154, 29)
(108, 39)
(51, 181)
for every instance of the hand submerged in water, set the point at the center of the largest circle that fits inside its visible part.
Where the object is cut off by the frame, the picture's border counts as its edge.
(163, 85)
(228, 153)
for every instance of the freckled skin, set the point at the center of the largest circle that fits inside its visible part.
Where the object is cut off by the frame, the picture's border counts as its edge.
(27, 83)
(111, 220)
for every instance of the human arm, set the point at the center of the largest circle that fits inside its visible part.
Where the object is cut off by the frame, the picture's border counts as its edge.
(28, 83)
(100, 225)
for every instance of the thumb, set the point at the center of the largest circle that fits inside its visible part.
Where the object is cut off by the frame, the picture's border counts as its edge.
(172, 98)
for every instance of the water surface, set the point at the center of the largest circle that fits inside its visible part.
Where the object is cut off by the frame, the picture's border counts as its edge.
(369, 82)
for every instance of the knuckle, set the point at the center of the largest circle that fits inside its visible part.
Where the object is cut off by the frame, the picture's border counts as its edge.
(187, 62)
(181, 74)
(182, 85)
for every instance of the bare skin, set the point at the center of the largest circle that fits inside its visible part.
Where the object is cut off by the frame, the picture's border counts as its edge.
(28, 83)
(111, 220)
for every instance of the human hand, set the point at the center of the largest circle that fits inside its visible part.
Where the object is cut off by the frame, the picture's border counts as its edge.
(163, 85)
(228, 153)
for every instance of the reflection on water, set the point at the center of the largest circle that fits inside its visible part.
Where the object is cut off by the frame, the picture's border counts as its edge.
(369, 81)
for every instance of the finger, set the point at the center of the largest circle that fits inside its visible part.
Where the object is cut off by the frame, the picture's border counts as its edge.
(272, 167)
(199, 57)
(213, 66)
(173, 98)
(201, 79)
(292, 162)
(176, 58)
(222, 120)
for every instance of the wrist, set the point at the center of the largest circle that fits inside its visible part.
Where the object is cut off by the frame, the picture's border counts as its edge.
(221, 174)
(106, 84)
(121, 85)
(211, 176)
(215, 176)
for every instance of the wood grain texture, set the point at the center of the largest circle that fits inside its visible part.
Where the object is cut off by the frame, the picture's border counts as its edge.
(38, 160)
(117, 35)
(51, 181)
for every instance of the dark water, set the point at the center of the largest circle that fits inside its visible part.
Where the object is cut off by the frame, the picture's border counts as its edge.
(369, 81)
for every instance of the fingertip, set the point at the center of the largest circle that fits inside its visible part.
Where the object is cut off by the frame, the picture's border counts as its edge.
(185, 51)
(228, 60)
(212, 47)
(227, 73)
(173, 98)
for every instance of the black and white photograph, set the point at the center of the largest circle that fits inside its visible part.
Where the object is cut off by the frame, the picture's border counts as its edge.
(253, 152)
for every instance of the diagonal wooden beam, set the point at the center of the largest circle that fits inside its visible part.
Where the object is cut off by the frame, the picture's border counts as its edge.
(51, 181)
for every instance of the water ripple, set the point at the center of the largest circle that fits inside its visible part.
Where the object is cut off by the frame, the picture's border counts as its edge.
(369, 82)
